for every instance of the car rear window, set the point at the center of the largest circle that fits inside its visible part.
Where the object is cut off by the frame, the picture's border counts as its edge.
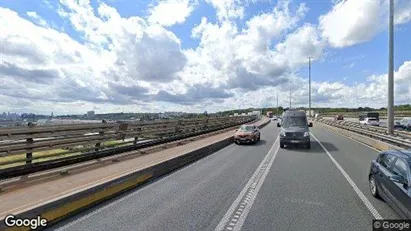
(372, 119)
(246, 128)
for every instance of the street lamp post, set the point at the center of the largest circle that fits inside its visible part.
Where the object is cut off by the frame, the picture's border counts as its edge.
(277, 104)
(309, 86)
(390, 108)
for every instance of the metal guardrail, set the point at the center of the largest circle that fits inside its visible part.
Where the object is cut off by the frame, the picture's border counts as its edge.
(398, 133)
(17, 141)
(397, 115)
(370, 131)
(70, 160)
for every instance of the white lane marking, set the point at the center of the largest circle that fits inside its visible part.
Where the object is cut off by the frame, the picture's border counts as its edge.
(361, 195)
(251, 188)
(117, 201)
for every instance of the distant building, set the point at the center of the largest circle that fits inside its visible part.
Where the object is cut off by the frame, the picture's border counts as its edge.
(90, 114)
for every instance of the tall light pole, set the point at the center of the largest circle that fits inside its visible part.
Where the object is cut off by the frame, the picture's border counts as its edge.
(309, 86)
(390, 108)
(290, 97)
(277, 103)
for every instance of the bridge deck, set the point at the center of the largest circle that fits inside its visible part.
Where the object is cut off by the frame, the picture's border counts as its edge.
(33, 196)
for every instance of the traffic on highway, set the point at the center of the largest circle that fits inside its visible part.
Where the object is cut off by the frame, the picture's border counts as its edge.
(338, 184)
(205, 115)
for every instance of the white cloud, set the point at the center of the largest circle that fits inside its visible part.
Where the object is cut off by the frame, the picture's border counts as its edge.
(170, 12)
(36, 18)
(245, 59)
(351, 21)
(228, 9)
(114, 51)
(303, 43)
(402, 12)
(136, 64)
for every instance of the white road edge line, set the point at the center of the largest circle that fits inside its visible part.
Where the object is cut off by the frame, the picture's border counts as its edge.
(234, 205)
(366, 145)
(361, 195)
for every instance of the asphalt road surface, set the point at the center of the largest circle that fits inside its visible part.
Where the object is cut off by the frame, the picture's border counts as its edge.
(253, 187)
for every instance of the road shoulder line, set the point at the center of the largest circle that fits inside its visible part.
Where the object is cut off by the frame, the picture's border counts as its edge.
(361, 195)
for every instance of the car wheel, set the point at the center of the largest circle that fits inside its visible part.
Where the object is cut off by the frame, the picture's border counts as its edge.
(259, 138)
(308, 145)
(373, 187)
(281, 145)
(237, 142)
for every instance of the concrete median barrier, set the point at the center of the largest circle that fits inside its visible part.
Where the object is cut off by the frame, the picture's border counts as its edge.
(377, 144)
(69, 204)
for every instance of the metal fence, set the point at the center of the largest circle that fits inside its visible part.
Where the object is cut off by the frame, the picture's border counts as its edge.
(400, 138)
(92, 136)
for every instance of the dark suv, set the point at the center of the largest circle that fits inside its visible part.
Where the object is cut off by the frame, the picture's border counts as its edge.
(390, 179)
(294, 129)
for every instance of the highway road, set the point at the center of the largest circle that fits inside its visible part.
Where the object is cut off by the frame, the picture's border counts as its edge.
(253, 187)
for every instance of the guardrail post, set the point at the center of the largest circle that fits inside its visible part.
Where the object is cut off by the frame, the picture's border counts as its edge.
(177, 127)
(29, 155)
(135, 140)
(98, 145)
(206, 124)
(122, 131)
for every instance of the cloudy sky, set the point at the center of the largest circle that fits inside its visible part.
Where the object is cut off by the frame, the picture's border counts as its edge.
(71, 56)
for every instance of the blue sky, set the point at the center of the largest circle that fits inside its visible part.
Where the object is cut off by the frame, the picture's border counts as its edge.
(348, 56)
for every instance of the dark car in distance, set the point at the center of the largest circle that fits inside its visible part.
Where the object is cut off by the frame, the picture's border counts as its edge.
(294, 129)
(404, 124)
(390, 179)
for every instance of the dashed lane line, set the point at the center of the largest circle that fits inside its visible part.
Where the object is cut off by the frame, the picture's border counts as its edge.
(239, 209)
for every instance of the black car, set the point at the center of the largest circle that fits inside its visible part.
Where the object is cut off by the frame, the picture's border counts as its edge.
(294, 129)
(390, 179)
(404, 124)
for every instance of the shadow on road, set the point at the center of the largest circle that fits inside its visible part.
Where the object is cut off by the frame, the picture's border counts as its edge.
(329, 146)
(315, 147)
(259, 143)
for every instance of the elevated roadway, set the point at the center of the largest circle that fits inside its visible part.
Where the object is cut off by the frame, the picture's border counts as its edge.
(253, 187)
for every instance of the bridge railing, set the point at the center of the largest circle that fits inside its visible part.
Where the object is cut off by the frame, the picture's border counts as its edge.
(28, 140)
(383, 115)
(399, 139)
